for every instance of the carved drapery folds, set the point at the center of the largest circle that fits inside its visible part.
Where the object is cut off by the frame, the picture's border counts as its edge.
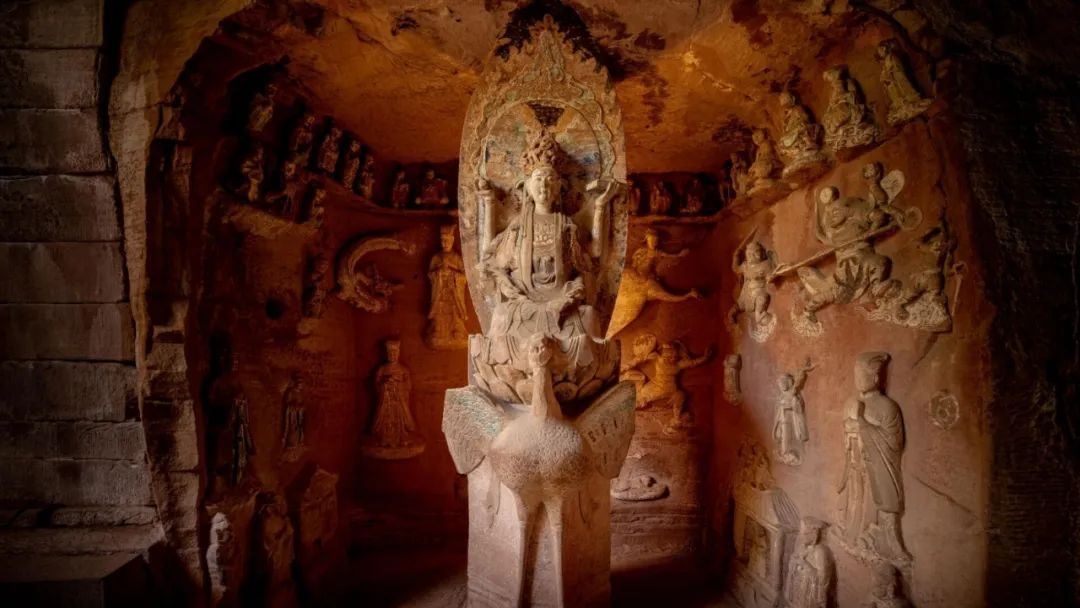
(543, 231)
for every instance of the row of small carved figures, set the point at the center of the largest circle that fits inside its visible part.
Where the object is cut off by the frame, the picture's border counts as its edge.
(847, 125)
(339, 156)
(664, 198)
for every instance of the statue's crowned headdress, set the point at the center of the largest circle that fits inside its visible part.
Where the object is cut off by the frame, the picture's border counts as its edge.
(542, 151)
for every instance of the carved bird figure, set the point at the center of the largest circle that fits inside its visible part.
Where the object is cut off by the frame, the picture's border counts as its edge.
(539, 454)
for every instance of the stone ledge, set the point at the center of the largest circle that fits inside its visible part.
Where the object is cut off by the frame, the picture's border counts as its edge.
(67, 331)
(51, 141)
(102, 516)
(96, 440)
(61, 272)
(52, 24)
(61, 390)
(66, 78)
(79, 541)
(74, 482)
(59, 208)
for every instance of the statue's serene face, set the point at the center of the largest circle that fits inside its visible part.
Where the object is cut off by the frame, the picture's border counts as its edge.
(393, 351)
(754, 252)
(543, 187)
(447, 240)
(866, 379)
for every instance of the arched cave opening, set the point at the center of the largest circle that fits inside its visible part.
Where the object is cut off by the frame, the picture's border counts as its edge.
(818, 273)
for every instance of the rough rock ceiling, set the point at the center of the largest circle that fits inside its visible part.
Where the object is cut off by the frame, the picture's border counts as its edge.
(693, 75)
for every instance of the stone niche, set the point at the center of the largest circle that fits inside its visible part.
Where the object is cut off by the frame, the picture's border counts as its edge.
(292, 304)
(288, 360)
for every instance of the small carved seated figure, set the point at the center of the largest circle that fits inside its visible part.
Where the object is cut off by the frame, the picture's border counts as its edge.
(351, 167)
(261, 109)
(762, 173)
(432, 191)
(365, 186)
(302, 139)
(329, 151)
(399, 194)
(848, 122)
(668, 360)
(694, 203)
(660, 199)
(905, 101)
(252, 171)
(800, 144)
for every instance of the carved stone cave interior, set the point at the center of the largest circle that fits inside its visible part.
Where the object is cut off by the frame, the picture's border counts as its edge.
(838, 308)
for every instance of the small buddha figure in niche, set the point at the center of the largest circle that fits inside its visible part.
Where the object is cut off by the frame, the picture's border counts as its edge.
(351, 167)
(789, 423)
(432, 191)
(905, 101)
(251, 168)
(740, 181)
(660, 199)
(669, 360)
(848, 121)
(280, 201)
(242, 444)
(315, 208)
(292, 427)
(761, 176)
(800, 144)
(811, 572)
(641, 283)
(872, 488)
(399, 194)
(314, 296)
(754, 265)
(261, 109)
(393, 433)
(694, 203)
(447, 312)
(886, 591)
(302, 139)
(329, 151)
(538, 266)
(365, 187)
(732, 378)
(633, 198)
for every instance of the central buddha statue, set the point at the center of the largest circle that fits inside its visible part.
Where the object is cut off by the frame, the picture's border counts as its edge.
(539, 267)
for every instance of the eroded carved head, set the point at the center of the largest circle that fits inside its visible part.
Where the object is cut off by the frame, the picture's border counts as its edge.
(868, 368)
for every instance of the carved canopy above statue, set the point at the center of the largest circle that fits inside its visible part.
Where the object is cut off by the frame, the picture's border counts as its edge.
(543, 84)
